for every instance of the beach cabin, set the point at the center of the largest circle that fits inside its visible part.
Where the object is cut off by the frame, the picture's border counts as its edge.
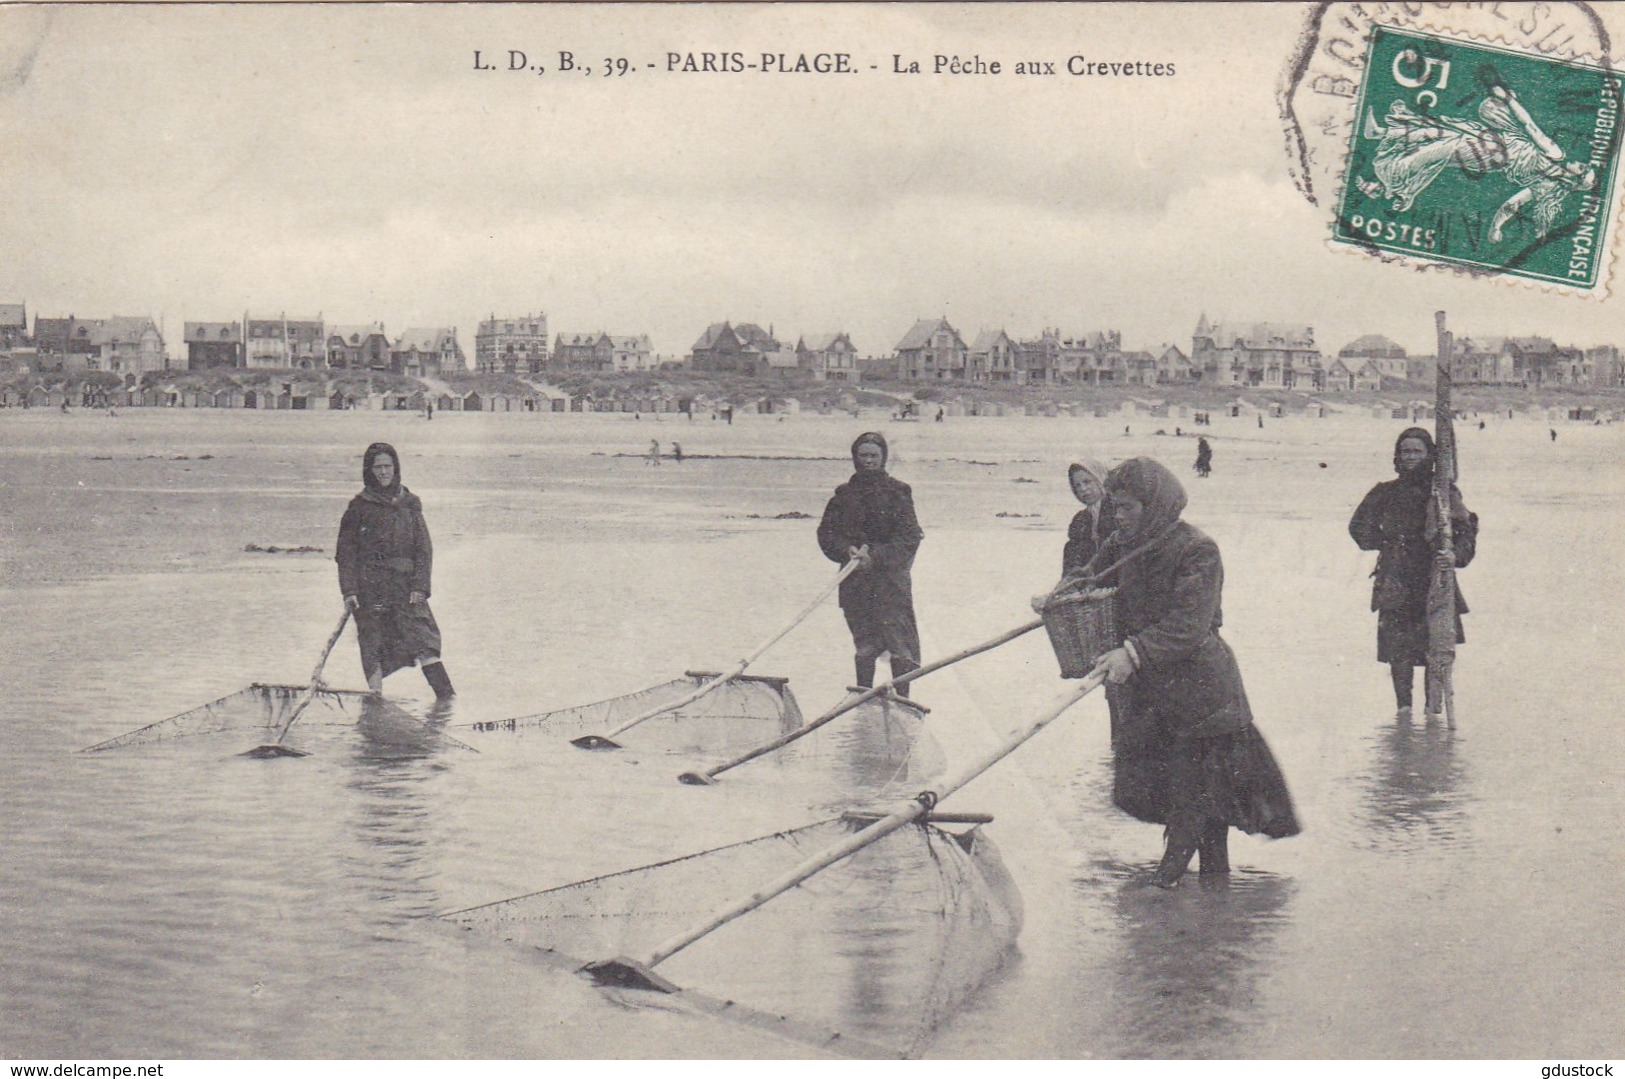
(471, 402)
(447, 403)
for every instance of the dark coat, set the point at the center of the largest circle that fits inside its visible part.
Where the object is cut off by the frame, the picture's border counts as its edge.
(874, 508)
(1393, 520)
(1168, 607)
(1084, 537)
(384, 553)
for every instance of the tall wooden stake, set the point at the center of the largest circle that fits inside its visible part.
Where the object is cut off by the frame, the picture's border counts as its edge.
(1441, 601)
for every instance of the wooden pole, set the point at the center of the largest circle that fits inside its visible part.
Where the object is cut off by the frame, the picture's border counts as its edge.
(275, 748)
(639, 973)
(704, 778)
(607, 741)
(1441, 599)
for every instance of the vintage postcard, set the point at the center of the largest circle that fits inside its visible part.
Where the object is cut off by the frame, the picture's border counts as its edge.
(748, 531)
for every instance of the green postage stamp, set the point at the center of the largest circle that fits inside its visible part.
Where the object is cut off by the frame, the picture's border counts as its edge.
(1482, 157)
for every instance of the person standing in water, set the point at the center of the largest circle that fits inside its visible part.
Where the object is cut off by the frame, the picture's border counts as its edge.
(871, 520)
(1396, 520)
(1185, 752)
(653, 456)
(384, 559)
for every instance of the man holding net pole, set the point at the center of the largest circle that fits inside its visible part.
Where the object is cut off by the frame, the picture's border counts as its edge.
(870, 521)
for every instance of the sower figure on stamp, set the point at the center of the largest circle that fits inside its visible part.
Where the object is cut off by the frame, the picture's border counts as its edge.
(384, 558)
(871, 519)
(1394, 520)
(1415, 149)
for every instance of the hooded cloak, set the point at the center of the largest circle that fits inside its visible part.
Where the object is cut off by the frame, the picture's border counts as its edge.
(384, 554)
(1395, 519)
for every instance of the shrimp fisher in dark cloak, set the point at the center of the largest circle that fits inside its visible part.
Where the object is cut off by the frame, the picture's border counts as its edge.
(1395, 519)
(1186, 754)
(384, 560)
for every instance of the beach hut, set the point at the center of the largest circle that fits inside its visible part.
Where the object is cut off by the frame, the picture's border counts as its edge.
(471, 402)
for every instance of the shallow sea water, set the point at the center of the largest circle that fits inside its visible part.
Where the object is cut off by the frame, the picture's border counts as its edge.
(1454, 894)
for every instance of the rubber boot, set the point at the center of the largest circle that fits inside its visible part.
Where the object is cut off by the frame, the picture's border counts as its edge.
(1402, 675)
(1180, 846)
(866, 670)
(1213, 849)
(435, 674)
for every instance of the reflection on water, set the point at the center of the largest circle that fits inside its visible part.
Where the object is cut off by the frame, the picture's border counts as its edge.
(1190, 962)
(1414, 794)
(390, 819)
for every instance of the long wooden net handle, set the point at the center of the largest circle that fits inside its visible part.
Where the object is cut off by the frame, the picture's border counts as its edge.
(906, 812)
(739, 668)
(315, 676)
(870, 694)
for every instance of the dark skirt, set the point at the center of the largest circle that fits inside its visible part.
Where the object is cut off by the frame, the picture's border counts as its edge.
(877, 631)
(1229, 777)
(1402, 636)
(393, 637)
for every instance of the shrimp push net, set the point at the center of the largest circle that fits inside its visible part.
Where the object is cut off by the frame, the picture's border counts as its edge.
(739, 713)
(866, 958)
(259, 711)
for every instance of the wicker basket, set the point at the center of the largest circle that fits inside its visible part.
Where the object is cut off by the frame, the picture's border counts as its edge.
(1082, 628)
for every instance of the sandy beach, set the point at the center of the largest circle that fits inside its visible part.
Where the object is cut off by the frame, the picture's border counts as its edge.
(179, 901)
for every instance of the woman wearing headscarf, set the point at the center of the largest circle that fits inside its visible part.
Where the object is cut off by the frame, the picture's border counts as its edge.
(871, 519)
(1089, 530)
(384, 558)
(1092, 524)
(1395, 520)
(1185, 752)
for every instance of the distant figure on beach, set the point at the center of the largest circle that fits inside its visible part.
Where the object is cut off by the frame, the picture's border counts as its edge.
(1553, 433)
(1480, 425)
(428, 410)
(64, 408)
(1396, 519)
(871, 519)
(677, 452)
(939, 414)
(1204, 458)
(728, 414)
(384, 558)
(1185, 752)
(1125, 428)
(1261, 421)
(653, 457)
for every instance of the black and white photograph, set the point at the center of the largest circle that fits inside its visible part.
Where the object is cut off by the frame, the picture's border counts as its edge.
(587, 532)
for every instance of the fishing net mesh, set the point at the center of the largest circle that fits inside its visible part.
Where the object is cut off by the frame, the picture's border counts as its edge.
(258, 708)
(739, 713)
(882, 946)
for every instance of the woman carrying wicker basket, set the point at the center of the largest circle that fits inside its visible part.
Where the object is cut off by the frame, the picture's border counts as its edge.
(1185, 752)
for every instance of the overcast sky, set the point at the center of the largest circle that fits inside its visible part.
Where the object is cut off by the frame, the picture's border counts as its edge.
(192, 163)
